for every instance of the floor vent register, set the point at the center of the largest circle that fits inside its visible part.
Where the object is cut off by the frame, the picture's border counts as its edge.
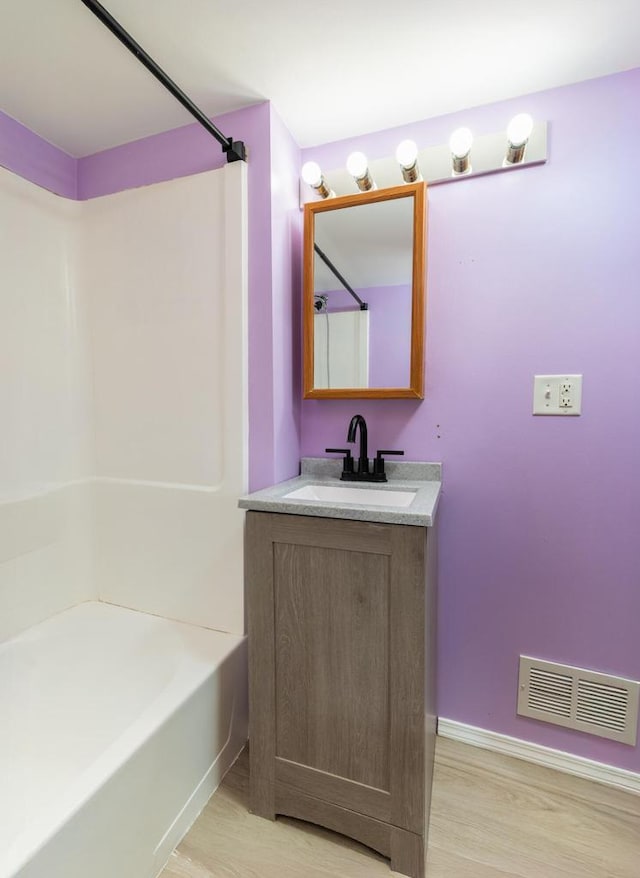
(599, 704)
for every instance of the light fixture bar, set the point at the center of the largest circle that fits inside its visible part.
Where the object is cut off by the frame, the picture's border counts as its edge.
(235, 150)
(487, 157)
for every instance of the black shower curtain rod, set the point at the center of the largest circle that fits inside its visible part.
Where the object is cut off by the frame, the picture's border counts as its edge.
(348, 287)
(235, 149)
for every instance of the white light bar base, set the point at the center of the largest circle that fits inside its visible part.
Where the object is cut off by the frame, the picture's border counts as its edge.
(487, 157)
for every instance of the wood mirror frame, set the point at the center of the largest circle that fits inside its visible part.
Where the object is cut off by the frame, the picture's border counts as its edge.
(415, 390)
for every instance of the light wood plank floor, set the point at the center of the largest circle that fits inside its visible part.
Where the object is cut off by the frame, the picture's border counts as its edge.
(492, 817)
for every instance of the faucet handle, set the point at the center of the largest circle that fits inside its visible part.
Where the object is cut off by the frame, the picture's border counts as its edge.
(378, 463)
(347, 463)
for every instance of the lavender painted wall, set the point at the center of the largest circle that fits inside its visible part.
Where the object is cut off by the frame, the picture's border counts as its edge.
(286, 277)
(528, 272)
(390, 320)
(35, 159)
(176, 153)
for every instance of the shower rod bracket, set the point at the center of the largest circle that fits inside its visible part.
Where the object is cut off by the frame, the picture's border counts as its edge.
(363, 305)
(234, 150)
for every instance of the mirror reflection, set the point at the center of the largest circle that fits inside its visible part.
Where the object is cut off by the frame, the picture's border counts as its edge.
(363, 257)
(364, 294)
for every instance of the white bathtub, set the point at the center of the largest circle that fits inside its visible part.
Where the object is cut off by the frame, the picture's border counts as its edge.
(115, 728)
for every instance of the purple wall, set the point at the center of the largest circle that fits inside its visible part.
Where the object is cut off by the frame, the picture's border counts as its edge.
(286, 278)
(35, 159)
(389, 320)
(177, 153)
(529, 272)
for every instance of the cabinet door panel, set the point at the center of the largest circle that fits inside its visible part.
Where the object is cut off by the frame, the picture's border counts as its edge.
(341, 630)
(332, 661)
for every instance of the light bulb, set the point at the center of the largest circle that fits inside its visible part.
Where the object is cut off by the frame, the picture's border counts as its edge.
(460, 142)
(519, 129)
(357, 165)
(311, 174)
(406, 154)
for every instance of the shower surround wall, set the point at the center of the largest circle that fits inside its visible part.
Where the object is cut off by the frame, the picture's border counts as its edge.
(45, 437)
(529, 272)
(123, 338)
(275, 231)
(167, 309)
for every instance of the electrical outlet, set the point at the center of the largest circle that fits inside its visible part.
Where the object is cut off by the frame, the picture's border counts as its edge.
(566, 395)
(557, 394)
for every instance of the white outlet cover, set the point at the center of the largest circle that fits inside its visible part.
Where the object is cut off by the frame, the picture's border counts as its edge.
(557, 395)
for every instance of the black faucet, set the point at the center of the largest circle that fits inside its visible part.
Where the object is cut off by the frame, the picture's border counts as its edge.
(361, 473)
(363, 458)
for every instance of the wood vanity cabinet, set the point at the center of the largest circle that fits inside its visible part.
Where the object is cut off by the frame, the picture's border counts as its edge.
(342, 677)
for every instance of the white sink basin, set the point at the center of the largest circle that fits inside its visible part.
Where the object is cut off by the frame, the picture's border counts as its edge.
(363, 496)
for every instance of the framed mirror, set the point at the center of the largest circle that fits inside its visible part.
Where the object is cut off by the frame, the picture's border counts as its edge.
(364, 295)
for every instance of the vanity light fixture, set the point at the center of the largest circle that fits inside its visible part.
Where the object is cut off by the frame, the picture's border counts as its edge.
(518, 133)
(460, 157)
(407, 158)
(312, 176)
(460, 144)
(357, 166)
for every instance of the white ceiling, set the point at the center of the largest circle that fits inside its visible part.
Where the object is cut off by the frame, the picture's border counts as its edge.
(376, 249)
(333, 68)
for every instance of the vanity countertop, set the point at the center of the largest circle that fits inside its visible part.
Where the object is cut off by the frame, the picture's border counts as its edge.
(423, 478)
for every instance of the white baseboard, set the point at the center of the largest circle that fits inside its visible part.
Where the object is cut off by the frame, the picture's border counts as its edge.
(566, 762)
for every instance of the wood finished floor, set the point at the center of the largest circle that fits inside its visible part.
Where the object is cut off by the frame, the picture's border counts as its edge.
(492, 817)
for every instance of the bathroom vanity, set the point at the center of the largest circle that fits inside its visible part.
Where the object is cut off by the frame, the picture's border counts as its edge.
(341, 601)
